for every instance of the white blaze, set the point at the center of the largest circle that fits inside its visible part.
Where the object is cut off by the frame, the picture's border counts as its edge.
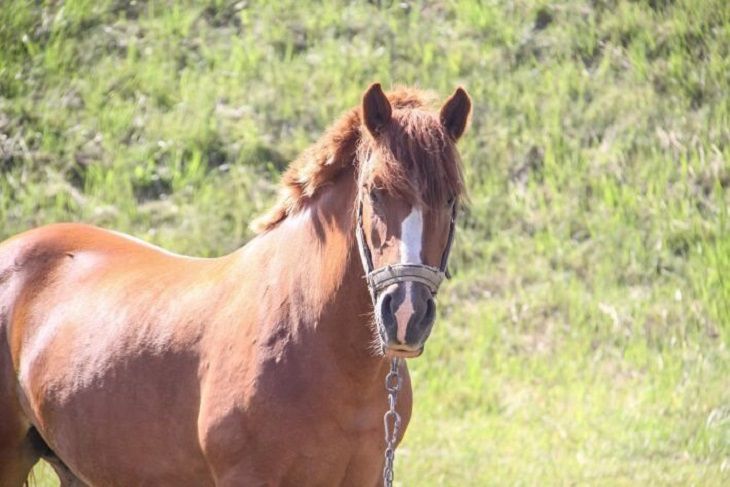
(411, 237)
(411, 241)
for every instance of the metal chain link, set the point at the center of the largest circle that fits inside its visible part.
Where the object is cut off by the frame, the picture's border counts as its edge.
(391, 420)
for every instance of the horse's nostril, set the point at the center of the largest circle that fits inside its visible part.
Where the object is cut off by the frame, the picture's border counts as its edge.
(387, 303)
(386, 308)
(430, 315)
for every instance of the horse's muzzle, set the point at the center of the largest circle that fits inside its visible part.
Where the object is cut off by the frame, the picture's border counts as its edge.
(406, 313)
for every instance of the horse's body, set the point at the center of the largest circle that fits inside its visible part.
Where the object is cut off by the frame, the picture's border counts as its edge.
(152, 345)
(123, 364)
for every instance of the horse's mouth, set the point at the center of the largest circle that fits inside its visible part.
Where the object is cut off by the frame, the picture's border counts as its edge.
(403, 352)
(396, 350)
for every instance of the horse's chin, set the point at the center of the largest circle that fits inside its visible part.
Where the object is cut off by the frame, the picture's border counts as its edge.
(396, 351)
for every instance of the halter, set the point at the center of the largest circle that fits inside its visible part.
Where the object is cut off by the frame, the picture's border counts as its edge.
(379, 279)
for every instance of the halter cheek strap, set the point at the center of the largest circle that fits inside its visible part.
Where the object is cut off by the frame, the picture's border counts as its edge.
(380, 279)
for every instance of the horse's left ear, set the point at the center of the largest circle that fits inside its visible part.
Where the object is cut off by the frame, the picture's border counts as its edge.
(455, 113)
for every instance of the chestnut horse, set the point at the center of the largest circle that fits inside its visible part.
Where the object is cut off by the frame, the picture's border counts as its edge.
(122, 364)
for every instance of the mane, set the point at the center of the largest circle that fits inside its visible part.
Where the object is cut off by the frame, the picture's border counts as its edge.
(413, 157)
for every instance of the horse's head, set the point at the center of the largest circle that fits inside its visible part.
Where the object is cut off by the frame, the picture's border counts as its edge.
(410, 185)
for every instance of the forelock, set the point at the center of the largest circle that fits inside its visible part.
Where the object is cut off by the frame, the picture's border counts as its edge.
(413, 157)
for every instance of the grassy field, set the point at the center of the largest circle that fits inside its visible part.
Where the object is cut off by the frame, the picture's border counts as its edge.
(584, 338)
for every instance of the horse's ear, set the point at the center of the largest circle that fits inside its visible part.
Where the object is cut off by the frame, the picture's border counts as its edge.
(376, 110)
(455, 113)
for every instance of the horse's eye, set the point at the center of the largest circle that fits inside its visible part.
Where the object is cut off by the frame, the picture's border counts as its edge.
(450, 203)
(375, 195)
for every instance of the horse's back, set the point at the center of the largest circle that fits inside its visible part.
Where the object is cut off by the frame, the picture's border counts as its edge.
(97, 346)
(52, 242)
(39, 251)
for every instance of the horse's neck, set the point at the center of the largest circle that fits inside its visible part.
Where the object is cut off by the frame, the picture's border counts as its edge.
(317, 271)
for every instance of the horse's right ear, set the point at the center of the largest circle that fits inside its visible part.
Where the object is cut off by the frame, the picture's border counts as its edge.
(376, 110)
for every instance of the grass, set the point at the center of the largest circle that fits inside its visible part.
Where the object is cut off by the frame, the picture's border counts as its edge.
(584, 338)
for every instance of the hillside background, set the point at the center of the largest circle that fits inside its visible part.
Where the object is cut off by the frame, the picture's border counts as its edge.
(584, 338)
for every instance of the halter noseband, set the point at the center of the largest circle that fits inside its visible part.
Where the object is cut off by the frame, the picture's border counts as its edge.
(379, 279)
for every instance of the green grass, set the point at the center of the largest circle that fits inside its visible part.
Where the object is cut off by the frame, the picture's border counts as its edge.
(584, 338)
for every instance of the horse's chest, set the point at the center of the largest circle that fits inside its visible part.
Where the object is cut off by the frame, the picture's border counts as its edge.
(331, 454)
(325, 444)
(304, 439)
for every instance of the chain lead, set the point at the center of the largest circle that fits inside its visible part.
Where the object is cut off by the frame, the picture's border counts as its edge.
(391, 420)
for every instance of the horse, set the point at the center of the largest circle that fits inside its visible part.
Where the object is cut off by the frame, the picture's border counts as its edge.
(124, 364)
